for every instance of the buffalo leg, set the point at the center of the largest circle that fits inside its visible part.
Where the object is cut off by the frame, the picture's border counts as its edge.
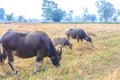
(36, 66)
(81, 39)
(68, 37)
(11, 64)
(77, 38)
(11, 61)
(42, 66)
(39, 59)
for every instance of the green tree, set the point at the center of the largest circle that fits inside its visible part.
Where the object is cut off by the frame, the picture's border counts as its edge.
(85, 15)
(9, 17)
(92, 17)
(57, 15)
(20, 18)
(69, 16)
(48, 7)
(105, 9)
(2, 13)
(118, 12)
(51, 11)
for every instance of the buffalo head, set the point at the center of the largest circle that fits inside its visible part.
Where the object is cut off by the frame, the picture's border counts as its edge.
(89, 40)
(56, 59)
(70, 46)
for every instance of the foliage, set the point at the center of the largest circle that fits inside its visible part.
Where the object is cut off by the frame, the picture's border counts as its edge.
(2, 13)
(20, 18)
(51, 11)
(69, 16)
(92, 17)
(118, 12)
(48, 7)
(77, 19)
(9, 17)
(57, 15)
(85, 15)
(115, 18)
(105, 9)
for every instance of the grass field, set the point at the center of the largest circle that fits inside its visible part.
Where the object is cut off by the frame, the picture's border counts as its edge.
(100, 61)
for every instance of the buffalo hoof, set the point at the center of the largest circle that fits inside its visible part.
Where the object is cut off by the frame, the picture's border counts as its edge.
(43, 68)
(35, 72)
(15, 73)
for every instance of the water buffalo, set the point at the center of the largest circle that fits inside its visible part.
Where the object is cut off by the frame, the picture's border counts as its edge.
(62, 41)
(27, 44)
(77, 33)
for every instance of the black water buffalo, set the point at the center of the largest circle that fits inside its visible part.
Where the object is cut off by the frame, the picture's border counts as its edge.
(27, 44)
(62, 41)
(77, 33)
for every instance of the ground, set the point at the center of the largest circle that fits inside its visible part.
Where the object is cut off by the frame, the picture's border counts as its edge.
(100, 61)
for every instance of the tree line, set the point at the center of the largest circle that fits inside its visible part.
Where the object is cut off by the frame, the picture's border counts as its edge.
(51, 12)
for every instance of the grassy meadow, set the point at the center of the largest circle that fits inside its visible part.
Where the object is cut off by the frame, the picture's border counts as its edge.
(100, 61)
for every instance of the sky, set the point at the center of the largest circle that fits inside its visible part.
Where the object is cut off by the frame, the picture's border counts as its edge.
(32, 8)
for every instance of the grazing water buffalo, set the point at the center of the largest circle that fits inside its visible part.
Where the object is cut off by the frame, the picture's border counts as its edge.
(28, 44)
(62, 41)
(77, 33)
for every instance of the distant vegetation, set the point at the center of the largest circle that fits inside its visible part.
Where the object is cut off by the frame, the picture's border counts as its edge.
(52, 13)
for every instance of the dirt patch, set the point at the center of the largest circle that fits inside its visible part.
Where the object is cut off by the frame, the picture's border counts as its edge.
(86, 48)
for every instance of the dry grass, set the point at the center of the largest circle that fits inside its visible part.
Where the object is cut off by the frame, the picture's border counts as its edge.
(100, 61)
